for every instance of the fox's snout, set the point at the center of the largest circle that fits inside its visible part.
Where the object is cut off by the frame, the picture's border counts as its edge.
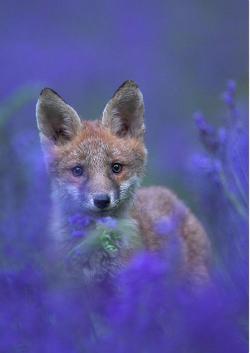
(105, 196)
(101, 201)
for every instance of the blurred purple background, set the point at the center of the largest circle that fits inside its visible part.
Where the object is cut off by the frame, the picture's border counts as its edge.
(182, 55)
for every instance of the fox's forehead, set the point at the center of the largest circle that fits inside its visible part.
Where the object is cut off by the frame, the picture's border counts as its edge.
(95, 144)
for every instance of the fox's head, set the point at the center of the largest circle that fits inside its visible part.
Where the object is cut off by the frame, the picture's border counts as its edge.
(95, 166)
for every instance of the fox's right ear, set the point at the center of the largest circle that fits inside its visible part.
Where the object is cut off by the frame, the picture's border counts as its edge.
(56, 120)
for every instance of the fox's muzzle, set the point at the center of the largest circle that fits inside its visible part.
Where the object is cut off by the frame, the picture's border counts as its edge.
(101, 201)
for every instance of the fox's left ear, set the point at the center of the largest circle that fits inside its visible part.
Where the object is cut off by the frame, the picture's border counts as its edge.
(124, 113)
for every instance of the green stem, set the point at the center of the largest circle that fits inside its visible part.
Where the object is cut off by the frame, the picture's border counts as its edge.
(232, 198)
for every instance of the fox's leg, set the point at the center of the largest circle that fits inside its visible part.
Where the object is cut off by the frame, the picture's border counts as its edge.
(196, 249)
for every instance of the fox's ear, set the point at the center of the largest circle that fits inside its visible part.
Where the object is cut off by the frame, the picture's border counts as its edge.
(124, 113)
(56, 120)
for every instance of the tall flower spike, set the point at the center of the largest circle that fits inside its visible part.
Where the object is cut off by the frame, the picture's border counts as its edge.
(207, 133)
(229, 97)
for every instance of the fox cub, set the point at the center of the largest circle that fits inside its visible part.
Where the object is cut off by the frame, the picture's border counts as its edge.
(95, 169)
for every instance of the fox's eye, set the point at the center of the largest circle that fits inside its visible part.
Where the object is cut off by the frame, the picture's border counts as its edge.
(116, 168)
(77, 171)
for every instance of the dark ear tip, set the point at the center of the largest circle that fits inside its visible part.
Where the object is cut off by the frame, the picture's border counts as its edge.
(46, 90)
(49, 92)
(127, 84)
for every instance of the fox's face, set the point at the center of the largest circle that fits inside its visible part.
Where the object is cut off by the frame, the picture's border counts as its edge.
(94, 166)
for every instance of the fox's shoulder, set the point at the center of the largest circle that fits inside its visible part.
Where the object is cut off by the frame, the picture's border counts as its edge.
(156, 203)
(151, 205)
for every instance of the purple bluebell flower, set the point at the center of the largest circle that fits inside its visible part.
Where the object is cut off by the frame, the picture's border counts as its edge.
(202, 124)
(206, 165)
(81, 220)
(229, 94)
(109, 222)
(171, 223)
(78, 233)
(166, 225)
(207, 133)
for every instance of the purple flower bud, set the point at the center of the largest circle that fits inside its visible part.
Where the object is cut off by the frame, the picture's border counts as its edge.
(166, 225)
(207, 133)
(231, 87)
(202, 163)
(170, 224)
(229, 95)
(109, 222)
(228, 99)
(79, 220)
(201, 123)
(78, 234)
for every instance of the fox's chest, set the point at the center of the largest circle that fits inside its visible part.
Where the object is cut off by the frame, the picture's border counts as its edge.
(99, 251)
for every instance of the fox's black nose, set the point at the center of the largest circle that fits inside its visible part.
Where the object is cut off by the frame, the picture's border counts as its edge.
(101, 200)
